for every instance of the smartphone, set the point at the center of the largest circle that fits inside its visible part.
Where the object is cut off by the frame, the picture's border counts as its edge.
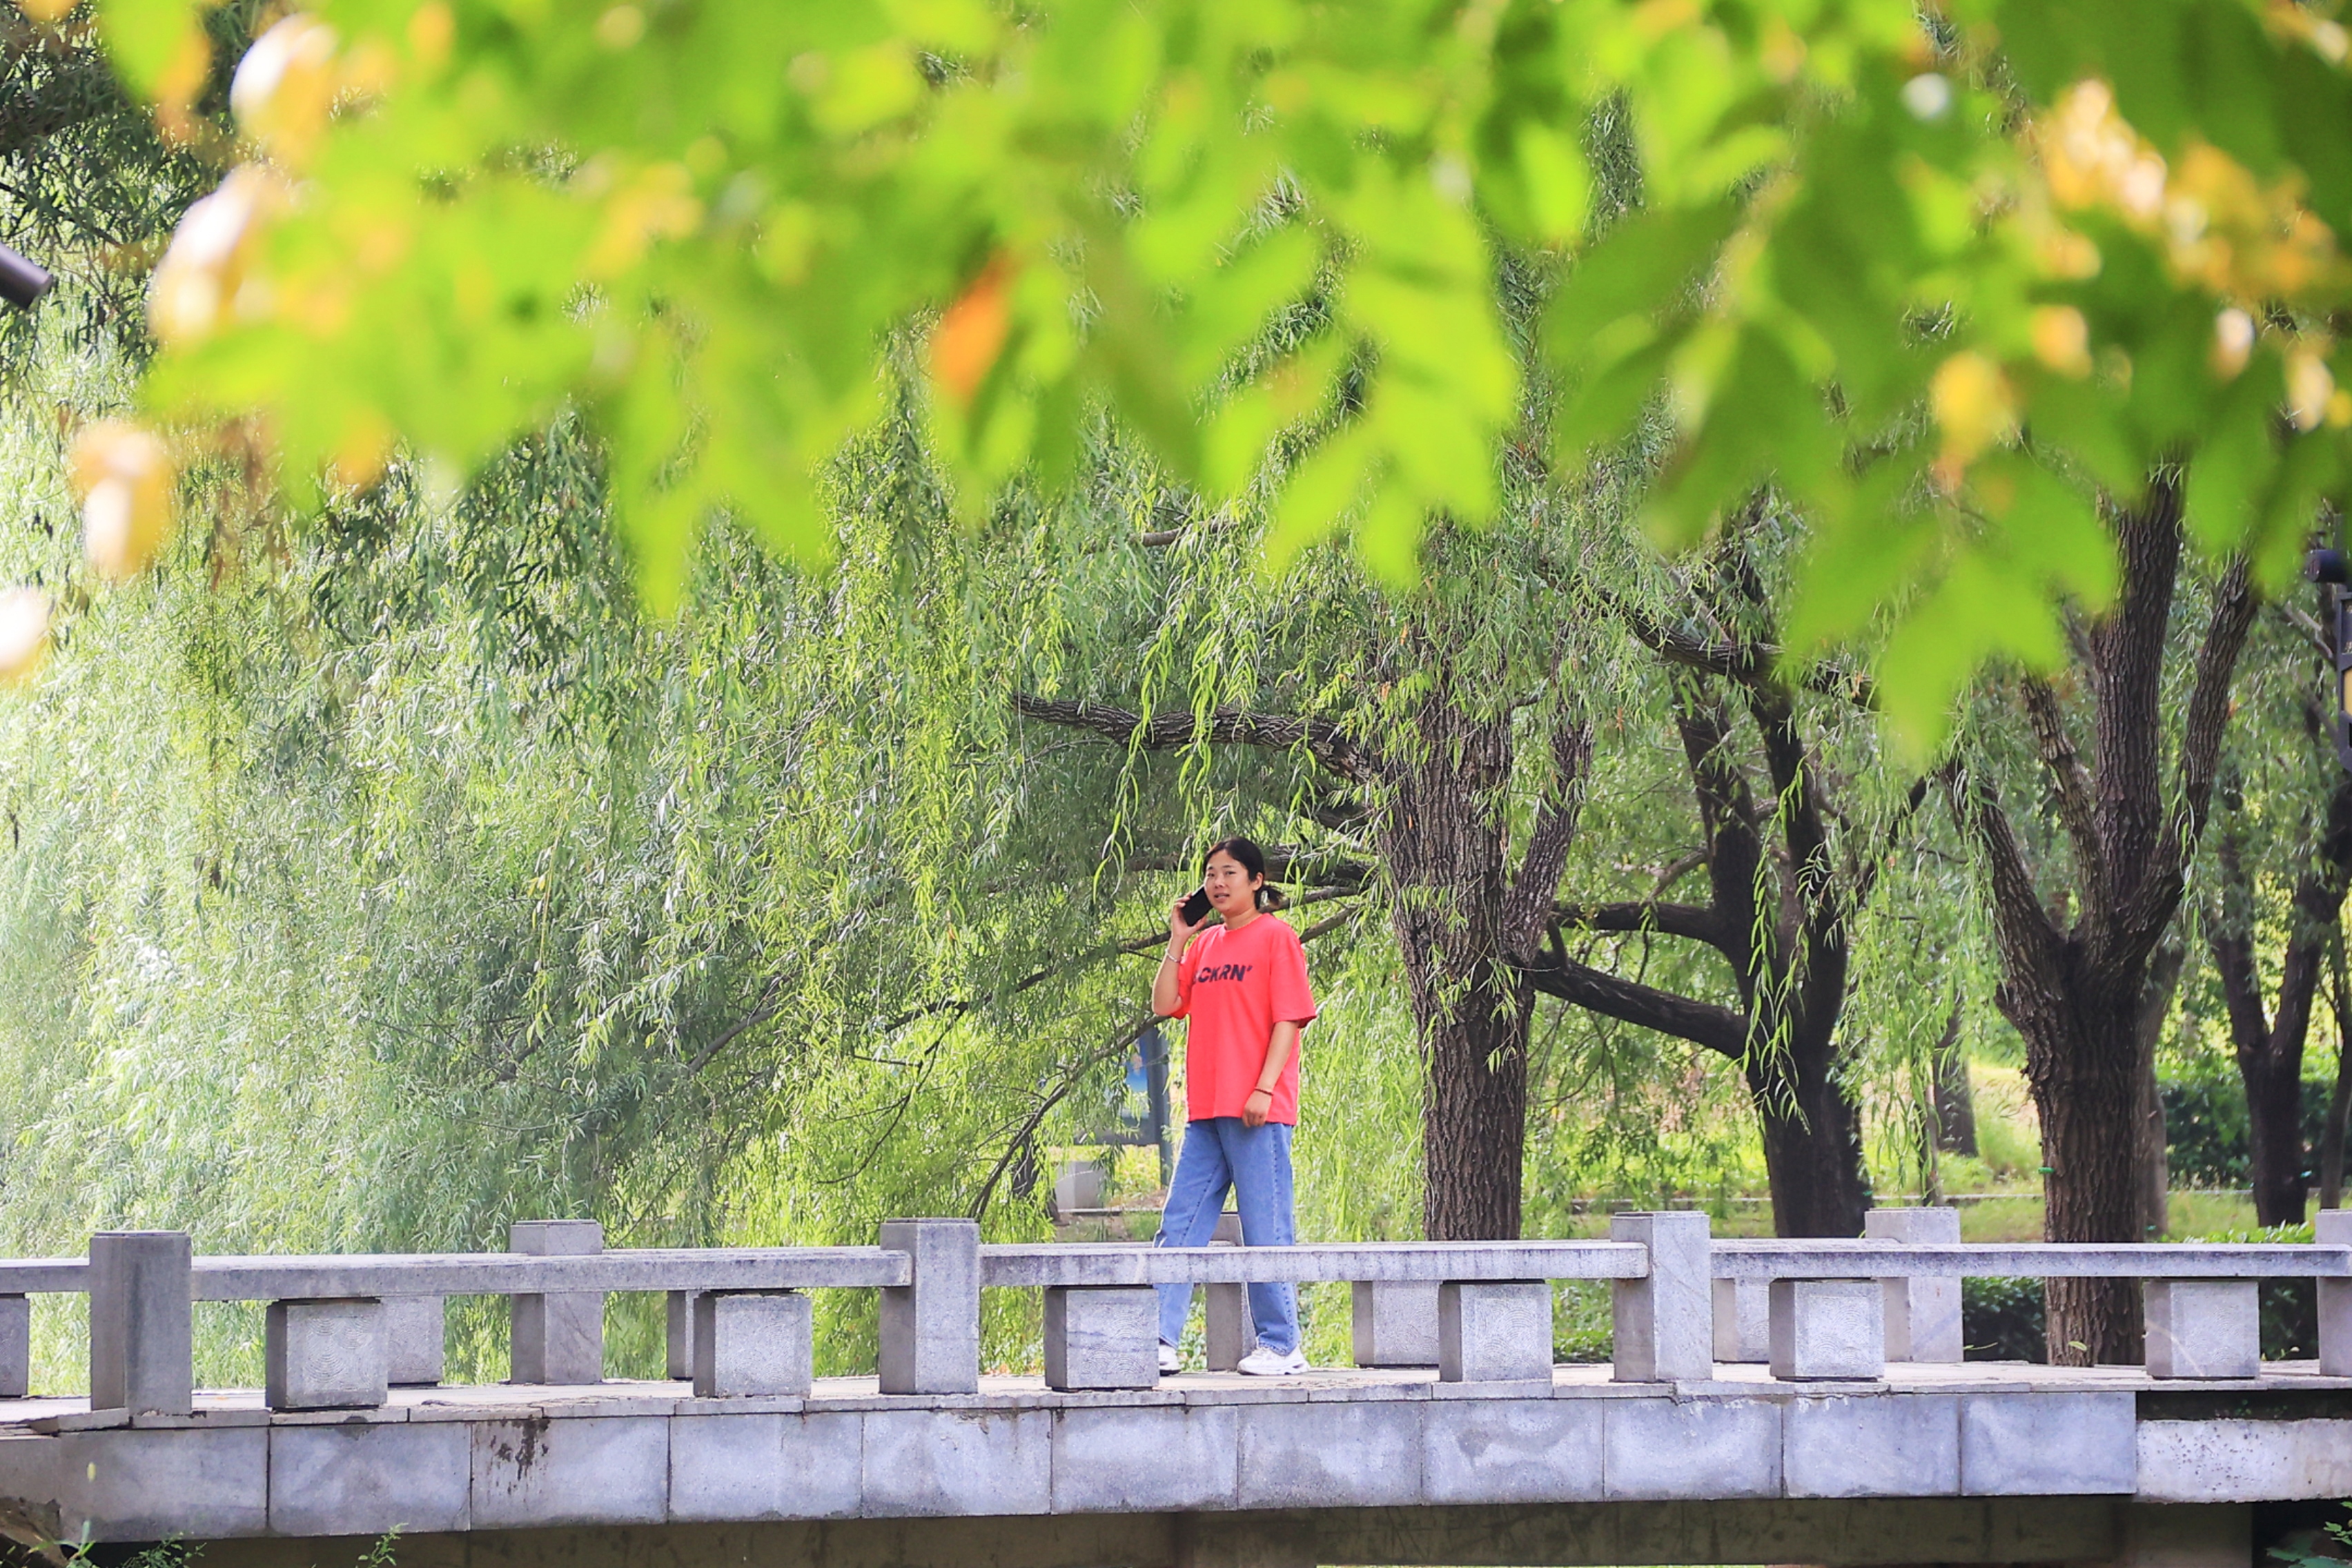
(1196, 907)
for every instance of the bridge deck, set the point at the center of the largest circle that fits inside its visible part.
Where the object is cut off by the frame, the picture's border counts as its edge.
(655, 1397)
(506, 1458)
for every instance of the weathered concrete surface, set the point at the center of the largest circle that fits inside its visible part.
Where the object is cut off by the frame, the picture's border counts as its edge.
(1611, 1455)
(324, 1355)
(1860, 1533)
(1923, 1315)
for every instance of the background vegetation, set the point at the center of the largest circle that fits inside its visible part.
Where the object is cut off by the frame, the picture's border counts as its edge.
(385, 868)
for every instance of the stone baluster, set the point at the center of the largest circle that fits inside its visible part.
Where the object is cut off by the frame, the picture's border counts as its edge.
(1395, 1323)
(2203, 1327)
(16, 1346)
(2332, 1227)
(1228, 1332)
(141, 1341)
(931, 1327)
(753, 1342)
(1664, 1320)
(325, 1354)
(1493, 1331)
(1743, 1321)
(558, 1337)
(1102, 1337)
(1828, 1329)
(414, 1332)
(1923, 1314)
(680, 1335)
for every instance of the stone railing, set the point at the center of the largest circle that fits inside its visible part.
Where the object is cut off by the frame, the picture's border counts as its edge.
(342, 1332)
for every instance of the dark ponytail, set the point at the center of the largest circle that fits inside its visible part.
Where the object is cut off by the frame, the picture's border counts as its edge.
(1250, 859)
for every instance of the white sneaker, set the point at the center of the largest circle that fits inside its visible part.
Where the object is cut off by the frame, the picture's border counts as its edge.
(1170, 1361)
(1264, 1362)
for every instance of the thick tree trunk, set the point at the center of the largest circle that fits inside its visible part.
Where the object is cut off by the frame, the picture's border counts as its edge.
(2078, 991)
(1475, 1067)
(2274, 1137)
(2083, 1064)
(1812, 1141)
(1443, 833)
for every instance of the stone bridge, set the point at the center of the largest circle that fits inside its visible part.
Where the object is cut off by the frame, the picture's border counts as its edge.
(1767, 1401)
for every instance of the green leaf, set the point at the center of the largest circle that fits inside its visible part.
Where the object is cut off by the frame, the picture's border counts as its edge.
(1978, 610)
(2230, 473)
(1558, 184)
(2051, 528)
(143, 36)
(1644, 265)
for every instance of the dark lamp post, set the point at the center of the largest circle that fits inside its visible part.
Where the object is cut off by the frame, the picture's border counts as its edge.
(21, 281)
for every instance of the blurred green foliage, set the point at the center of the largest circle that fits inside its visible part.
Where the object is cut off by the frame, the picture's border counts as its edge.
(1951, 282)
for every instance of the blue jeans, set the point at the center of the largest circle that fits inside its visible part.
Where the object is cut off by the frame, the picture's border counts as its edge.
(1253, 1163)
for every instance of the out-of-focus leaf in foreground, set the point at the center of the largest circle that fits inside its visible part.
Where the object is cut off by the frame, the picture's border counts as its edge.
(1949, 288)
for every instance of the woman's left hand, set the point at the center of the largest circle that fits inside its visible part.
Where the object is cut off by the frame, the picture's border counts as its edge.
(1257, 1108)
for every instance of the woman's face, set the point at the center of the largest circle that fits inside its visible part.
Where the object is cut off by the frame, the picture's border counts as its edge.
(1231, 890)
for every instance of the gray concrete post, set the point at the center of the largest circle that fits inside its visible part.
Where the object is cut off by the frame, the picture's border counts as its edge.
(1743, 1330)
(1923, 1315)
(1102, 1337)
(2203, 1327)
(1828, 1329)
(2332, 1227)
(1664, 1323)
(930, 1329)
(1395, 1323)
(1494, 1332)
(558, 1337)
(141, 1341)
(16, 1346)
(415, 1330)
(753, 1342)
(680, 1334)
(1228, 1332)
(325, 1354)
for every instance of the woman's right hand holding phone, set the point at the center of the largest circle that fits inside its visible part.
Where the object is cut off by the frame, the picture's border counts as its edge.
(1180, 930)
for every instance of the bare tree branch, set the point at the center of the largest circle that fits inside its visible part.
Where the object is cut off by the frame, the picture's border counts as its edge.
(2029, 939)
(1531, 891)
(1322, 739)
(1695, 922)
(2077, 803)
(1745, 662)
(2156, 890)
(1719, 1029)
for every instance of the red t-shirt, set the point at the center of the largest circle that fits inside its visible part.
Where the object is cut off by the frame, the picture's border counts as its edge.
(1236, 987)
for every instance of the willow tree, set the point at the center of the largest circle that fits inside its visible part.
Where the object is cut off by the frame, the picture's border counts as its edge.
(1443, 741)
(1786, 855)
(2128, 768)
(2281, 857)
(726, 209)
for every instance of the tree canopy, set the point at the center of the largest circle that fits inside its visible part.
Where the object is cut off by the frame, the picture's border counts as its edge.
(1945, 279)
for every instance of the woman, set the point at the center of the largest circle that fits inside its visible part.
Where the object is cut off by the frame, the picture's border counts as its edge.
(1242, 984)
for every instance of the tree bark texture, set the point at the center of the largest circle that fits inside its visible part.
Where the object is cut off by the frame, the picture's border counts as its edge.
(2076, 977)
(1955, 1106)
(2270, 1041)
(1778, 914)
(1464, 928)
